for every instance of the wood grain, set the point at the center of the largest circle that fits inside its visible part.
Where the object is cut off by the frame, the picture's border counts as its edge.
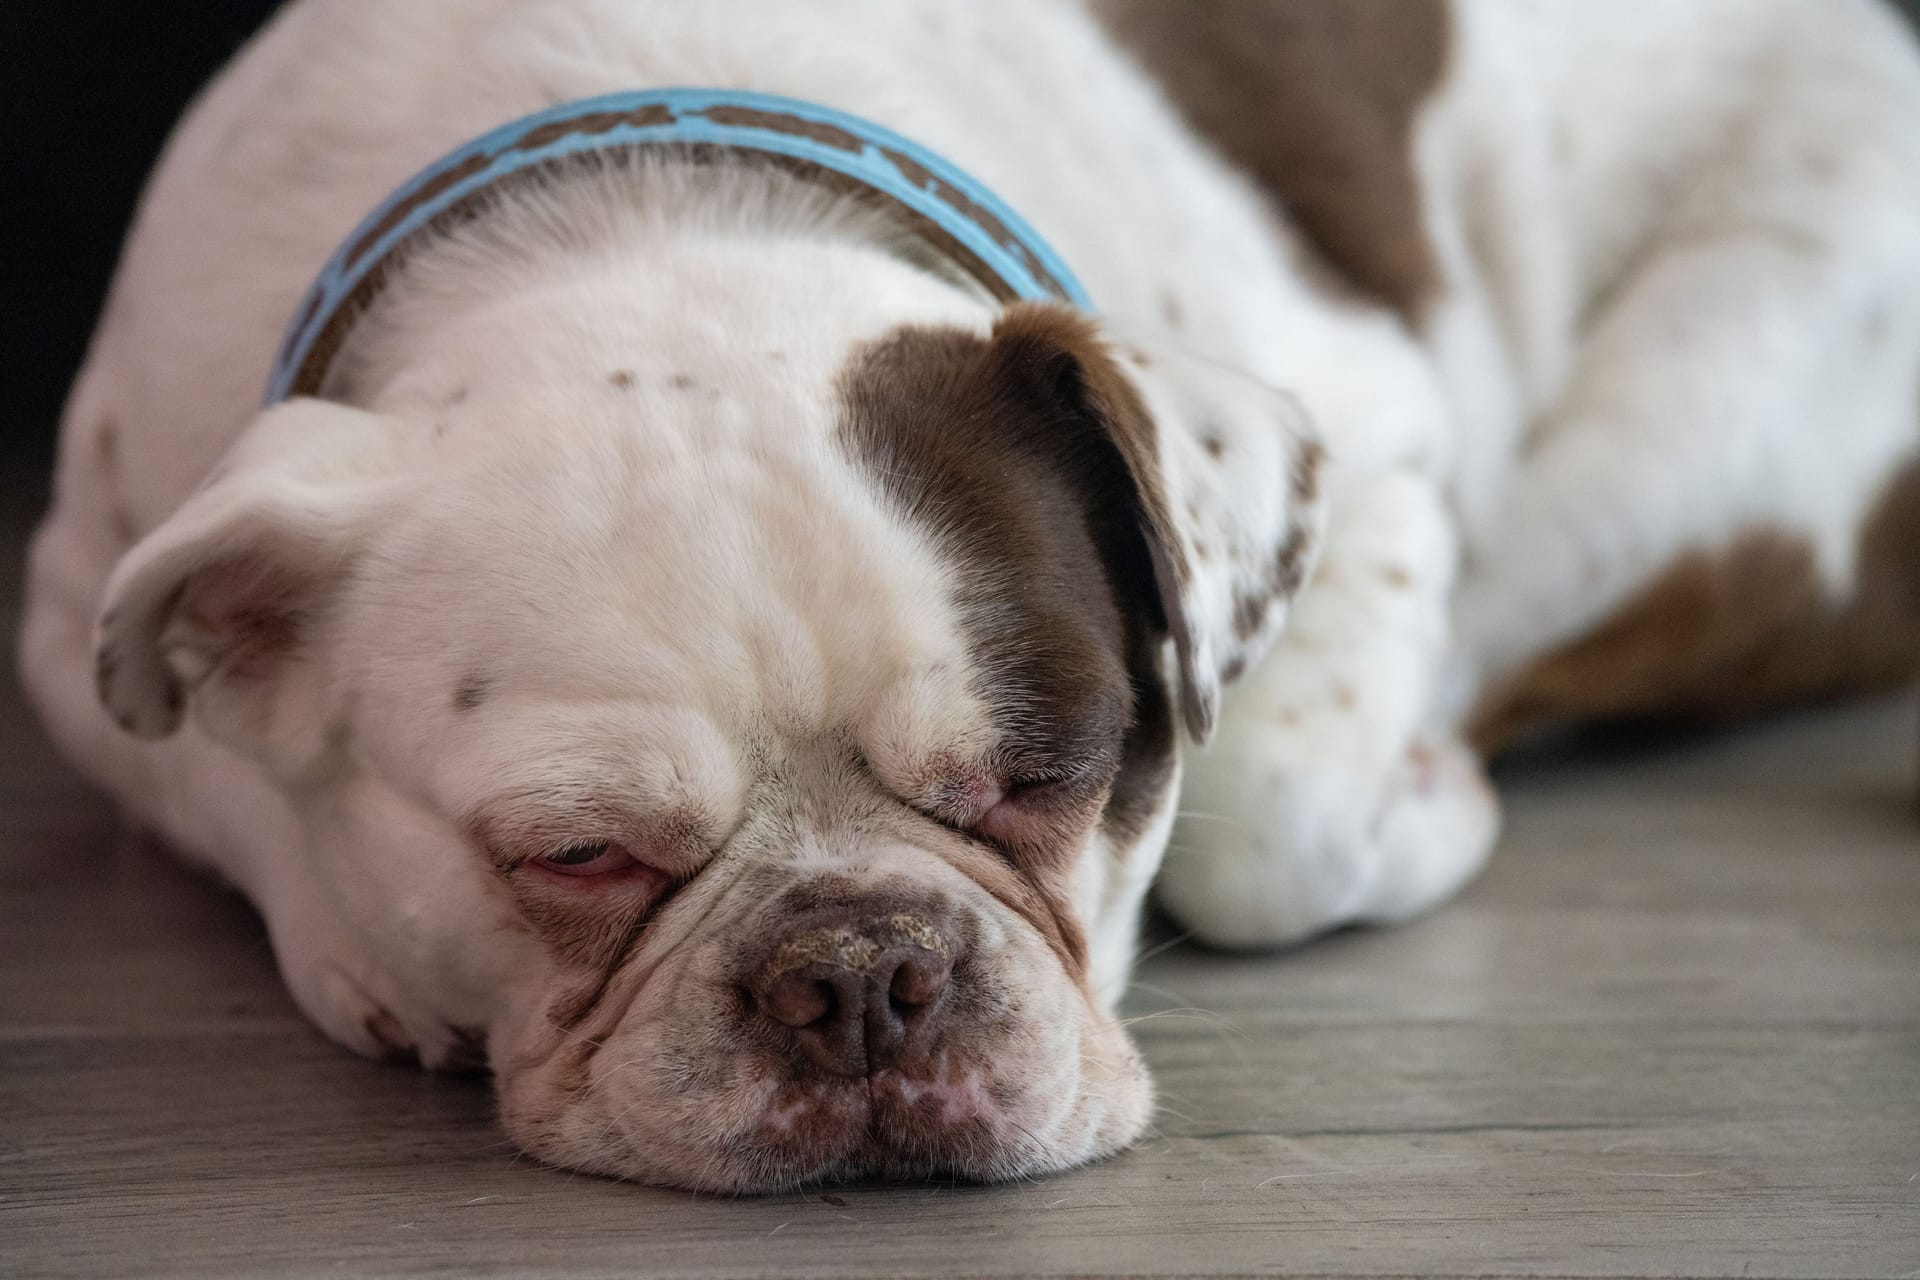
(1674, 1031)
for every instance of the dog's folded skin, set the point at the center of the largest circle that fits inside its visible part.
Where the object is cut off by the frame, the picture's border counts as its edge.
(700, 649)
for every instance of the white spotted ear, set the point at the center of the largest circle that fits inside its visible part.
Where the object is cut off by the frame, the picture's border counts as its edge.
(1227, 475)
(218, 606)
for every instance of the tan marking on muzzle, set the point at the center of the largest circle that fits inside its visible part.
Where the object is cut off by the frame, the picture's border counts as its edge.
(855, 952)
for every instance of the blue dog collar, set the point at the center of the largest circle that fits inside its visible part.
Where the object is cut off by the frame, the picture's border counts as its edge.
(955, 214)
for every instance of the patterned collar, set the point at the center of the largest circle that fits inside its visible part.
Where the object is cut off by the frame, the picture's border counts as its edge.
(952, 213)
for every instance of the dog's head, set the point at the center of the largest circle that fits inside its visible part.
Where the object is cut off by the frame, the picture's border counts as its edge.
(760, 714)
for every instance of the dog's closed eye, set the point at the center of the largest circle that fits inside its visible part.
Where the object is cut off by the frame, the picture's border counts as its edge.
(1011, 812)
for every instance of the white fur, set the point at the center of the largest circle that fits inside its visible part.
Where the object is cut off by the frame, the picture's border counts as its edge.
(1661, 228)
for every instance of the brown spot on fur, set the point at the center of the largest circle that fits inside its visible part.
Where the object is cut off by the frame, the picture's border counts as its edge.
(1288, 572)
(1396, 576)
(1171, 311)
(1344, 696)
(1214, 445)
(471, 692)
(1249, 615)
(1748, 628)
(1316, 100)
(621, 378)
(1306, 472)
(682, 382)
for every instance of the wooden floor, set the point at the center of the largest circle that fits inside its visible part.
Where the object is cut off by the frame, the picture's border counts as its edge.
(1674, 1031)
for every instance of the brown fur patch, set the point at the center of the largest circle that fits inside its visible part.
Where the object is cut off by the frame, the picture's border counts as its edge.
(1022, 452)
(1745, 629)
(1316, 100)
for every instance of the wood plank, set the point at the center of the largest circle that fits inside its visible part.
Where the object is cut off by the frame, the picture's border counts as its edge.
(1675, 1030)
(1413, 1150)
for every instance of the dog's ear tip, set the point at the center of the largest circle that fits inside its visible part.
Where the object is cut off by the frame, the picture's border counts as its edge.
(149, 713)
(1199, 709)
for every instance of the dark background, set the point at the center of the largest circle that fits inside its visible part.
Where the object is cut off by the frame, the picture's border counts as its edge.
(92, 89)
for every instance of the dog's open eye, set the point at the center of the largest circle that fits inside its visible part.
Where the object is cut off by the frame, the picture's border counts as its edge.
(597, 859)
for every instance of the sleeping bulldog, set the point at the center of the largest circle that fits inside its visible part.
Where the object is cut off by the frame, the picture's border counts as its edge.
(705, 553)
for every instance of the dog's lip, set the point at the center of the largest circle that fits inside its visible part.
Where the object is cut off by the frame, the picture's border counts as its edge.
(877, 1140)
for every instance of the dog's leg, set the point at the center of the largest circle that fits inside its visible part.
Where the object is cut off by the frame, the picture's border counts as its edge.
(1751, 375)
(1325, 798)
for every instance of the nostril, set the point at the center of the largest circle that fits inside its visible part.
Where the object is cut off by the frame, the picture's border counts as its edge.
(796, 999)
(853, 993)
(918, 982)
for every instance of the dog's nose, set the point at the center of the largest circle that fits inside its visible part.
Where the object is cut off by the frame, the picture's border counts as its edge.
(858, 990)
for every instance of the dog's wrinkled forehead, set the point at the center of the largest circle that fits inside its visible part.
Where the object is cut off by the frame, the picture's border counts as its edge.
(665, 567)
(660, 512)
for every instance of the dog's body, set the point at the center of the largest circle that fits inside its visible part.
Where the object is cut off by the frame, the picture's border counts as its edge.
(670, 510)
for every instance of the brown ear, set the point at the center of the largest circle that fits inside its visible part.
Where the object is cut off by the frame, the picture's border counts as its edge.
(220, 602)
(1223, 473)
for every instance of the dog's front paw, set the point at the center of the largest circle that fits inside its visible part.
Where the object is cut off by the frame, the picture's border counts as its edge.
(342, 1007)
(356, 1007)
(1268, 859)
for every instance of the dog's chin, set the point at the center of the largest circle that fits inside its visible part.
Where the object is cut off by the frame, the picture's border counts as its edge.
(781, 1135)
